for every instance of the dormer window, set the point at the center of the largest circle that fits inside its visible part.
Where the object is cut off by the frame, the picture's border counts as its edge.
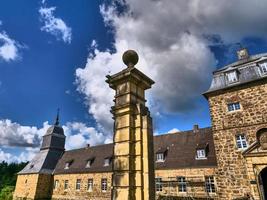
(107, 161)
(263, 68)
(160, 157)
(233, 106)
(67, 164)
(89, 162)
(201, 154)
(202, 151)
(161, 154)
(232, 77)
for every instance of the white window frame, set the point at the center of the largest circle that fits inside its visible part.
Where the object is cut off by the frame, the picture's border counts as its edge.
(233, 106)
(90, 185)
(181, 184)
(107, 162)
(158, 183)
(263, 68)
(232, 77)
(241, 141)
(210, 184)
(201, 154)
(66, 184)
(89, 163)
(78, 184)
(67, 165)
(56, 184)
(104, 185)
(160, 157)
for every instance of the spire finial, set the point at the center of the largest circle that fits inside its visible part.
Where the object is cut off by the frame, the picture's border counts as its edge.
(57, 119)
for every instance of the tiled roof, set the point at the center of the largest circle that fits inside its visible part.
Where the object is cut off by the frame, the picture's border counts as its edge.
(180, 151)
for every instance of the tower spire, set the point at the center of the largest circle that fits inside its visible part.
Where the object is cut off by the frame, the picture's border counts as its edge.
(57, 119)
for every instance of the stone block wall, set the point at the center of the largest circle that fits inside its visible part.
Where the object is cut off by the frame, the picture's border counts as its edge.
(231, 175)
(33, 186)
(195, 182)
(71, 193)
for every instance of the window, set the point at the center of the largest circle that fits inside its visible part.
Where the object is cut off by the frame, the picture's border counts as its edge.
(181, 184)
(233, 106)
(201, 153)
(66, 184)
(78, 184)
(104, 185)
(209, 183)
(263, 68)
(67, 165)
(107, 161)
(89, 163)
(160, 157)
(90, 185)
(56, 184)
(26, 181)
(241, 141)
(232, 77)
(158, 182)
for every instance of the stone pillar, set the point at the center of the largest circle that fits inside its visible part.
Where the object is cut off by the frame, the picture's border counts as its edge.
(133, 163)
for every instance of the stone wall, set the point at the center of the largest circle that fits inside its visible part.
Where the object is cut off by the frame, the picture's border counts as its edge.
(231, 175)
(195, 182)
(71, 193)
(26, 186)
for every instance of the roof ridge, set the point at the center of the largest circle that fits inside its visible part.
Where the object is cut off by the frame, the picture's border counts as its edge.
(179, 132)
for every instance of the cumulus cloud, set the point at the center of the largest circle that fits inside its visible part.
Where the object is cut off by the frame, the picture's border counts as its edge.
(13, 134)
(174, 130)
(79, 135)
(54, 25)
(27, 139)
(24, 156)
(173, 40)
(9, 48)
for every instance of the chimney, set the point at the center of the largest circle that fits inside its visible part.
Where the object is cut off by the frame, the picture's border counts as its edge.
(242, 54)
(195, 128)
(88, 145)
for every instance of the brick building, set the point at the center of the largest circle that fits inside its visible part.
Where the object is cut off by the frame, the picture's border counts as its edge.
(226, 161)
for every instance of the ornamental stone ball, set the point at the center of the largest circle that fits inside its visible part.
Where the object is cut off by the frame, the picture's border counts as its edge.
(130, 58)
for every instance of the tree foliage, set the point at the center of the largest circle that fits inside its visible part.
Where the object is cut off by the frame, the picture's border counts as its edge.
(8, 177)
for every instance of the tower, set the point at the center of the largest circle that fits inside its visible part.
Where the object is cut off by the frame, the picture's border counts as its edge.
(238, 108)
(35, 180)
(133, 167)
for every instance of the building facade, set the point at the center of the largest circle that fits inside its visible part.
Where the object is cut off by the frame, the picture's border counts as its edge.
(226, 161)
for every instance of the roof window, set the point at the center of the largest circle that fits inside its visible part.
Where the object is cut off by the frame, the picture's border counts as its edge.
(232, 77)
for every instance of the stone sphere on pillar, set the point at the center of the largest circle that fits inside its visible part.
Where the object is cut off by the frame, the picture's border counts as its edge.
(130, 58)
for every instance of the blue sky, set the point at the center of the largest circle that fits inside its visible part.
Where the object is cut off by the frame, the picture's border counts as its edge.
(55, 54)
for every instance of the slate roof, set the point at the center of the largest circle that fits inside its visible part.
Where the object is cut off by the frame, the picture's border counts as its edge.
(44, 162)
(180, 151)
(247, 69)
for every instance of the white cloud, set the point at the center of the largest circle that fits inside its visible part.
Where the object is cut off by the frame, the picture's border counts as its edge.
(54, 25)
(174, 130)
(172, 39)
(24, 156)
(9, 48)
(27, 139)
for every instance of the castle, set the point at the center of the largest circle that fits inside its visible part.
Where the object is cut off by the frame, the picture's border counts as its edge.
(226, 161)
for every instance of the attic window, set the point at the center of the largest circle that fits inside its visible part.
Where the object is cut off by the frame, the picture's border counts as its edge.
(31, 166)
(201, 154)
(233, 106)
(67, 164)
(202, 151)
(232, 77)
(160, 157)
(107, 161)
(89, 162)
(263, 68)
